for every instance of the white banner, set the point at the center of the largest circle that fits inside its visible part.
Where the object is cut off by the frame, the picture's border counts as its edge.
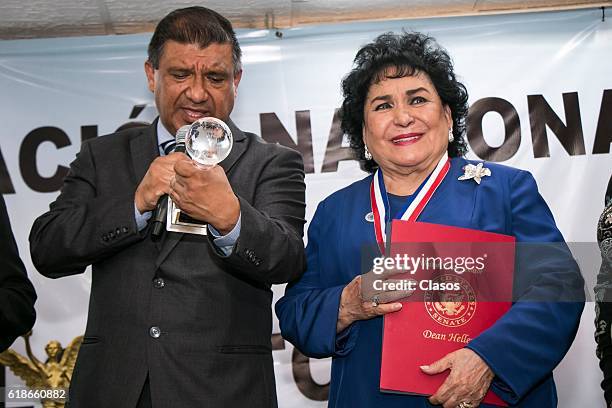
(540, 90)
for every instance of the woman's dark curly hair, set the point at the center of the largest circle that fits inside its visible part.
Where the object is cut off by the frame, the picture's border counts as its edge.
(395, 56)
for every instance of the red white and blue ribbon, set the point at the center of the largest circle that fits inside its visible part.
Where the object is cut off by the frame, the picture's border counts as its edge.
(380, 202)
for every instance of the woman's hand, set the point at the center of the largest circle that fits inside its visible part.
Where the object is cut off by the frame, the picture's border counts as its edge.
(468, 381)
(360, 301)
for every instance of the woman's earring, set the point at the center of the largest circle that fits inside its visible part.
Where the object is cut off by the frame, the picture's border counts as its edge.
(451, 138)
(367, 154)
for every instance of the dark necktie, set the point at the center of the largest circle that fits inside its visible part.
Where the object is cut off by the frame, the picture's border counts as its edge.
(168, 147)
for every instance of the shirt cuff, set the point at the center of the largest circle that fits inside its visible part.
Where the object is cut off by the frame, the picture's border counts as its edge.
(225, 243)
(141, 219)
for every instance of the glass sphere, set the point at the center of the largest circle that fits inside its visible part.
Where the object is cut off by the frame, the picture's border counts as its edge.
(209, 141)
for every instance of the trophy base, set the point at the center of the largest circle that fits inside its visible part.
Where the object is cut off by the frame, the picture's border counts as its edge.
(178, 221)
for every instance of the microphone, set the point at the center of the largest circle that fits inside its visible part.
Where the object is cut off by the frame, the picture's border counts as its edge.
(159, 215)
(180, 137)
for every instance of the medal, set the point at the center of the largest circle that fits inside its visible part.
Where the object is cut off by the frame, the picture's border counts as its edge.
(380, 204)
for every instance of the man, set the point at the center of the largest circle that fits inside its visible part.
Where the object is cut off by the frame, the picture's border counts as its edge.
(184, 321)
(17, 295)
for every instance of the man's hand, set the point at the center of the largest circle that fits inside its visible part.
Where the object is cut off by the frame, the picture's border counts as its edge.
(156, 182)
(205, 194)
(468, 381)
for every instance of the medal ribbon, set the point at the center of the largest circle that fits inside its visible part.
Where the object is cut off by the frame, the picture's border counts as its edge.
(380, 202)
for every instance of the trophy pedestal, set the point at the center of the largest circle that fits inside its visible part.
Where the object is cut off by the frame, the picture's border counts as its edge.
(178, 221)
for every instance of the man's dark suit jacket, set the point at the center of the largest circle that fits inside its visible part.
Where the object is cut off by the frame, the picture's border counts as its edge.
(17, 295)
(213, 312)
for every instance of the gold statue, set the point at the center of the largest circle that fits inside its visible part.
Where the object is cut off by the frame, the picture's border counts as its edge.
(54, 373)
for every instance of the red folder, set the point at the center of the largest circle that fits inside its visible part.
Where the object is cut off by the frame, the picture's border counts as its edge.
(434, 323)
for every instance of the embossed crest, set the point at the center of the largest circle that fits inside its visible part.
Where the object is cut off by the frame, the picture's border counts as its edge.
(450, 308)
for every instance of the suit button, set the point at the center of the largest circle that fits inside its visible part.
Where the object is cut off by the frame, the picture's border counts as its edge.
(125, 230)
(105, 238)
(111, 235)
(155, 332)
(159, 283)
(118, 231)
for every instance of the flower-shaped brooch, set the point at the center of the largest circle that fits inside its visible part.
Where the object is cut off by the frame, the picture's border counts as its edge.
(474, 172)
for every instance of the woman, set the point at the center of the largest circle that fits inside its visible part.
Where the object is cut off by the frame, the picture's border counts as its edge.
(603, 296)
(404, 112)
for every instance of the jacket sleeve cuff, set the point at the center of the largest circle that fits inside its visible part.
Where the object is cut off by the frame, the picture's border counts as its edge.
(500, 386)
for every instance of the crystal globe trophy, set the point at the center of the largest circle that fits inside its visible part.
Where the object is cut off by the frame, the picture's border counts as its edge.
(208, 141)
